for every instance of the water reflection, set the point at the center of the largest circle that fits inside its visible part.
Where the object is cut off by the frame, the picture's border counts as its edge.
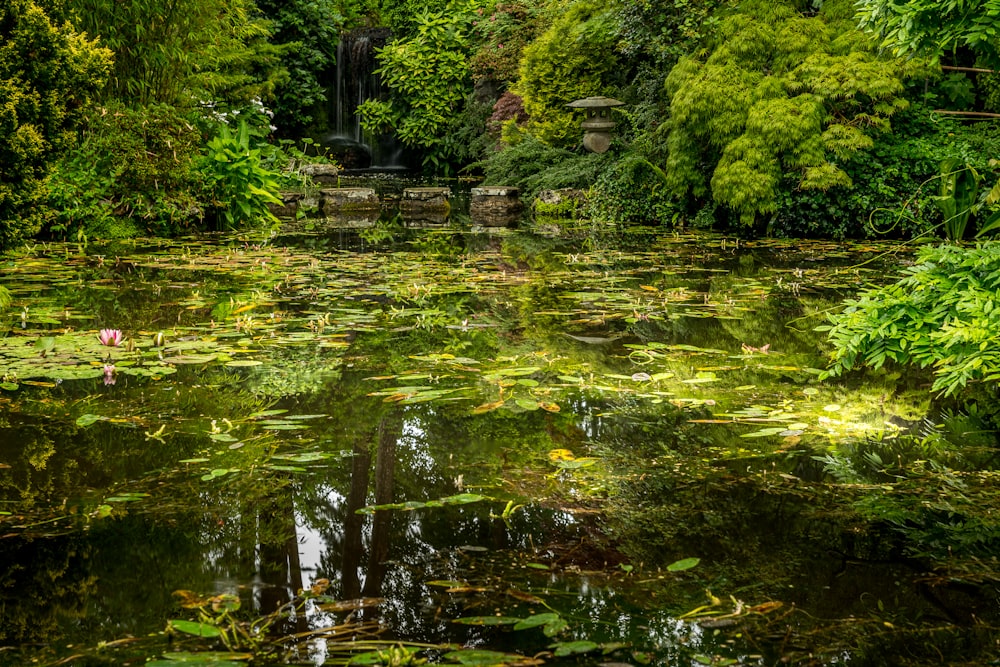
(601, 402)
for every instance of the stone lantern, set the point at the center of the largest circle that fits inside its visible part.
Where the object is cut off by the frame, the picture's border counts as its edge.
(597, 125)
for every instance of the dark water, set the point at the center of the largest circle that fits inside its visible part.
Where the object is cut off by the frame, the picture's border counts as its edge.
(551, 424)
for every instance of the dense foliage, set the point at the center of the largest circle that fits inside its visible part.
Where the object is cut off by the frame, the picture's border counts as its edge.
(935, 28)
(762, 116)
(48, 73)
(133, 171)
(779, 93)
(571, 60)
(942, 315)
(311, 30)
(183, 53)
(428, 75)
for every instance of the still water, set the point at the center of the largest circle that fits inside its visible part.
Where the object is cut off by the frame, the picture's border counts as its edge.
(388, 444)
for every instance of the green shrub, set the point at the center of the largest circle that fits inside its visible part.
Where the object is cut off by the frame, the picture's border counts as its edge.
(943, 315)
(502, 36)
(777, 94)
(429, 78)
(133, 171)
(894, 183)
(632, 189)
(574, 58)
(184, 52)
(48, 74)
(241, 187)
(533, 166)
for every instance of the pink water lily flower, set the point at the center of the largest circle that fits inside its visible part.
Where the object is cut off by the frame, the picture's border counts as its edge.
(111, 337)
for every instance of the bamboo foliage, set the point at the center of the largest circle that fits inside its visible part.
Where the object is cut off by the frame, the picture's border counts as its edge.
(181, 52)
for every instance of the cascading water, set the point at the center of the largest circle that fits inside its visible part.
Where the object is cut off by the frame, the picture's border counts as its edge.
(355, 82)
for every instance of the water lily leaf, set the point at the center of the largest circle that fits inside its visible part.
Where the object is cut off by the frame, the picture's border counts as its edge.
(204, 657)
(223, 437)
(194, 628)
(549, 407)
(684, 564)
(475, 657)
(555, 627)
(526, 403)
(380, 657)
(537, 620)
(487, 407)
(563, 649)
(487, 620)
(463, 499)
(88, 419)
(244, 363)
(286, 468)
(9, 386)
(764, 432)
(126, 497)
(193, 661)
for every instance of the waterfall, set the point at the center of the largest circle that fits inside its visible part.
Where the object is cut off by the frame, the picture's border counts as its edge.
(354, 82)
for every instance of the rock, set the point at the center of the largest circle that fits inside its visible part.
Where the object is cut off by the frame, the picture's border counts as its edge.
(422, 200)
(495, 206)
(335, 200)
(289, 206)
(320, 173)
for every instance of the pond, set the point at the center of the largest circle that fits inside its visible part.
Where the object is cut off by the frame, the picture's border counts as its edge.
(560, 446)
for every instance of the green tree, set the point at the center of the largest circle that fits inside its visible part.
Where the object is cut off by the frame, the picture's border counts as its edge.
(932, 28)
(48, 73)
(776, 91)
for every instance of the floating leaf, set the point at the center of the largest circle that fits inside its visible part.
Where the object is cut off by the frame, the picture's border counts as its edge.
(681, 565)
(194, 628)
(487, 620)
(487, 407)
(88, 419)
(537, 620)
(383, 657)
(563, 649)
(476, 657)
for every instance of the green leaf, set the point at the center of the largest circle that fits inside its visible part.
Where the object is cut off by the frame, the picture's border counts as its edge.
(537, 620)
(194, 628)
(88, 419)
(681, 565)
(487, 620)
(563, 649)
